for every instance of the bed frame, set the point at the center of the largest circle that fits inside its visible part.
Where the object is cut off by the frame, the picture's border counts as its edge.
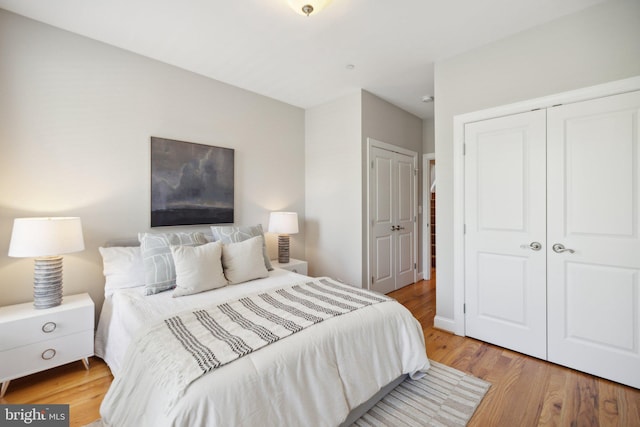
(359, 411)
(356, 412)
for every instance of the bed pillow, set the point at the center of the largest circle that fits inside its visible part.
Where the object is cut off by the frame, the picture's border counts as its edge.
(122, 268)
(198, 268)
(234, 234)
(243, 261)
(159, 268)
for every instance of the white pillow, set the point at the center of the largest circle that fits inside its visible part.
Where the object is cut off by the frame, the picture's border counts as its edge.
(235, 234)
(198, 268)
(244, 261)
(123, 268)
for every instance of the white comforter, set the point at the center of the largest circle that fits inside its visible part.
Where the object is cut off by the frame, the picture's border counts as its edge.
(313, 378)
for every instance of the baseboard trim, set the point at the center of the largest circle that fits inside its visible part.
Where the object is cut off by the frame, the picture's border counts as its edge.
(445, 324)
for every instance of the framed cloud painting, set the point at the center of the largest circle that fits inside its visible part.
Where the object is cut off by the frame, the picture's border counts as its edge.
(190, 183)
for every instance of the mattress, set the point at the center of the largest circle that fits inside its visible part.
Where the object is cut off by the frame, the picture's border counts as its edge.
(314, 377)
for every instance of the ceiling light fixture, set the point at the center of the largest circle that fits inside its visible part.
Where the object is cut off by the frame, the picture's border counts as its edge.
(308, 7)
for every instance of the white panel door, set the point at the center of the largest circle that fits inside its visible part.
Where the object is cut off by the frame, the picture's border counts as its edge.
(382, 219)
(392, 217)
(594, 212)
(404, 220)
(505, 239)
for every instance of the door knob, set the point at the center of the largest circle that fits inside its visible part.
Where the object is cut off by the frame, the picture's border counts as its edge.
(559, 248)
(534, 246)
(393, 228)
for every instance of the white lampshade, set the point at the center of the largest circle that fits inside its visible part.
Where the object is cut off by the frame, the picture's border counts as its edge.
(283, 222)
(45, 239)
(302, 6)
(41, 237)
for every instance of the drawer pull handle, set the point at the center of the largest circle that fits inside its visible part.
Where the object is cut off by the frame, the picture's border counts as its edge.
(48, 354)
(49, 327)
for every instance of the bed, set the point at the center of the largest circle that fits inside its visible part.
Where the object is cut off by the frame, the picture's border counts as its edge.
(323, 375)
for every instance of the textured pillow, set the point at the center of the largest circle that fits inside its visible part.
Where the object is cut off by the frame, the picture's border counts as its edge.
(243, 261)
(123, 268)
(233, 234)
(159, 269)
(198, 268)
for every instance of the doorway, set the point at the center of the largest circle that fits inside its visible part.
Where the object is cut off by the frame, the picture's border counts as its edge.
(428, 215)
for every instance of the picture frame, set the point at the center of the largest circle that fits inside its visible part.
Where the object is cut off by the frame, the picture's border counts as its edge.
(191, 183)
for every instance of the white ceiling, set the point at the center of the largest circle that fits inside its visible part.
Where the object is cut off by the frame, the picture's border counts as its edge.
(264, 47)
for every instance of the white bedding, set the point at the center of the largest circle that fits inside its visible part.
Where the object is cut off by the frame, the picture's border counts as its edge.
(314, 377)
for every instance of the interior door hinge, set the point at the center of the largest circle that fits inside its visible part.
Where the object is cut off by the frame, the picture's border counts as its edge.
(464, 149)
(372, 280)
(415, 266)
(371, 164)
(464, 228)
(415, 172)
(464, 308)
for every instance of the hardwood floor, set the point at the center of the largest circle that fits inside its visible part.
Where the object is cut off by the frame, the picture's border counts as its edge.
(525, 391)
(70, 384)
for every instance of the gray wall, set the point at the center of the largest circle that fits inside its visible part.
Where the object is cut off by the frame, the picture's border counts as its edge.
(597, 45)
(75, 120)
(385, 122)
(428, 136)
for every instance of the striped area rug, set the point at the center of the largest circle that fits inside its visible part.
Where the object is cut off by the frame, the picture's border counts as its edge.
(444, 397)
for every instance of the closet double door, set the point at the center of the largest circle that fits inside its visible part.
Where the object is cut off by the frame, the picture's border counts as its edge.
(392, 213)
(552, 234)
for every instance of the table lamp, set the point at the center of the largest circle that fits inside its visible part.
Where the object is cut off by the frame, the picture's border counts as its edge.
(45, 239)
(284, 224)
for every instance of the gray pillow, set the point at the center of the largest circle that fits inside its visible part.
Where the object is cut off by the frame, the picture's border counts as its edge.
(159, 268)
(235, 234)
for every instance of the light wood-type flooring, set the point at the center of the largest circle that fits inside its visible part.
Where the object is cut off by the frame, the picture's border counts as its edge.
(525, 391)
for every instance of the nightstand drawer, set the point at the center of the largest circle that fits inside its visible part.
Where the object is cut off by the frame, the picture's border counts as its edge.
(294, 265)
(28, 359)
(300, 269)
(42, 325)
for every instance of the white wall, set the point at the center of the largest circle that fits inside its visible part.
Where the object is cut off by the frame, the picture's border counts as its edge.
(75, 120)
(596, 45)
(333, 189)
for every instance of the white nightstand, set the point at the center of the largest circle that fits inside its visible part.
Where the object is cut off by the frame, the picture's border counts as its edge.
(35, 340)
(295, 265)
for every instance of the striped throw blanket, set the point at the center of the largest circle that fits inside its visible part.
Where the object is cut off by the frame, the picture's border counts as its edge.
(184, 347)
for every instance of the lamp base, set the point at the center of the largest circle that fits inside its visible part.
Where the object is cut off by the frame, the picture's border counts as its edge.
(283, 248)
(47, 282)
